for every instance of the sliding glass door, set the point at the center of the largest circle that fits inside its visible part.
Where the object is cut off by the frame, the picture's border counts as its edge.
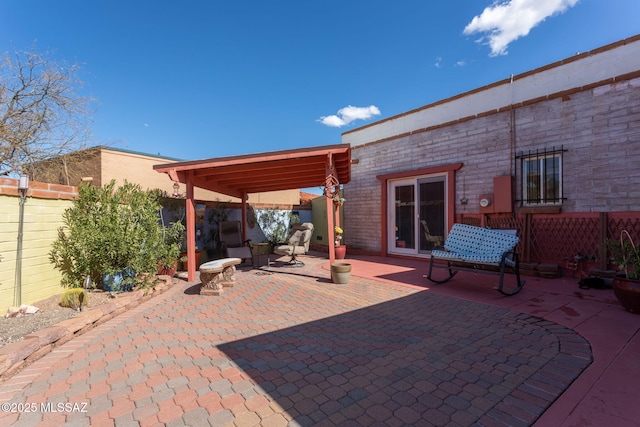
(417, 220)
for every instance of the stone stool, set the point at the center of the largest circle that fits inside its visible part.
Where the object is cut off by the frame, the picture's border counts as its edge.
(217, 274)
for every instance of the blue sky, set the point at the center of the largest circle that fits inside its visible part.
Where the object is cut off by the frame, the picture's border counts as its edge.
(201, 79)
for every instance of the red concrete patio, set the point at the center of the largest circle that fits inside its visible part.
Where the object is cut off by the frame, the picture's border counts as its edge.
(605, 394)
(288, 347)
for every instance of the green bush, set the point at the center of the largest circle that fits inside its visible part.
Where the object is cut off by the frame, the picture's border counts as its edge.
(107, 230)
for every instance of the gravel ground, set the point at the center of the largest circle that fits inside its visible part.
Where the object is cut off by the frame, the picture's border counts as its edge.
(50, 312)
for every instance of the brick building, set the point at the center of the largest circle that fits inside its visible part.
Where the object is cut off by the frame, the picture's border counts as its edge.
(102, 164)
(554, 152)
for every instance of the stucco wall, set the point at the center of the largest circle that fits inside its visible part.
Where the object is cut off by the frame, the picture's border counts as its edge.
(42, 217)
(138, 168)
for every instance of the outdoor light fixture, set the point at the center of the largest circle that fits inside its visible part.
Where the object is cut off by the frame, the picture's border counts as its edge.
(23, 184)
(176, 189)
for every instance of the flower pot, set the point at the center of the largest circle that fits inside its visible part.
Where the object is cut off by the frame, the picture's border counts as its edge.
(114, 282)
(183, 264)
(169, 271)
(341, 251)
(628, 293)
(340, 273)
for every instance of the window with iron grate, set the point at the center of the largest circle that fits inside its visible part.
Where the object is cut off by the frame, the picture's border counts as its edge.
(541, 176)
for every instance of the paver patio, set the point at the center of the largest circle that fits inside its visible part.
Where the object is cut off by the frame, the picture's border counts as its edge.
(291, 348)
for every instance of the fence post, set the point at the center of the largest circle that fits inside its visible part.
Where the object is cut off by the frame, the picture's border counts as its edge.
(526, 247)
(602, 250)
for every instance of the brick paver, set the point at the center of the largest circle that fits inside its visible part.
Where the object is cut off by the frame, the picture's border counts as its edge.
(291, 348)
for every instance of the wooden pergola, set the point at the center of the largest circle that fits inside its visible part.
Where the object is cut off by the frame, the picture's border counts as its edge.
(238, 176)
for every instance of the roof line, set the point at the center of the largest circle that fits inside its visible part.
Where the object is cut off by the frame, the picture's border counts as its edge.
(507, 80)
(262, 157)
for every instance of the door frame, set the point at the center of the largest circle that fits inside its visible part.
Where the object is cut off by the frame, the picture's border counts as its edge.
(414, 182)
(449, 170)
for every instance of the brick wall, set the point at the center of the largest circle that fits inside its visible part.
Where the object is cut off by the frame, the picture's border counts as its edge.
(601, 130)
(599, 126)
(43, 210)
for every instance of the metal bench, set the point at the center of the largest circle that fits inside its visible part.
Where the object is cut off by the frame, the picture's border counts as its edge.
(217, 274)
(483, 250)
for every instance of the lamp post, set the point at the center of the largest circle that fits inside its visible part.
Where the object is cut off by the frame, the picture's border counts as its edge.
(23, 187)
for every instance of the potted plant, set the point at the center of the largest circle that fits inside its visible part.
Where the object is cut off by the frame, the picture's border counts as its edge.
(341, 250)
(338, 201)
(169, 252)
(626, 286)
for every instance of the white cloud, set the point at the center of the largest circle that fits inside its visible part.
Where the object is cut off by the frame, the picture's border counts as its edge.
(438, 61)
(507, 21)
(348, 114)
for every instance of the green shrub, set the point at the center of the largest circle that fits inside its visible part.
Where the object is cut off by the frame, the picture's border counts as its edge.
(108, 230)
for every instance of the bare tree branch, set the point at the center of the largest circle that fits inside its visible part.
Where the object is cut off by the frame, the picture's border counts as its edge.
(42, 115)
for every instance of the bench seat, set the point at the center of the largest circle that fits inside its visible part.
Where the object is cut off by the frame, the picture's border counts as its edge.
(218, 274)
(481, 250)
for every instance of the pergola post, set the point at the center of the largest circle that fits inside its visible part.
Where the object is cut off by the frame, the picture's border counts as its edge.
(330, 185)
(244, 216)
(191, 229)
(332, 247)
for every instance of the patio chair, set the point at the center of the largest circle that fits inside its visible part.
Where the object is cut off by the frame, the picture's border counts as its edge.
(231, 239)
(436, 240)
(298, 243)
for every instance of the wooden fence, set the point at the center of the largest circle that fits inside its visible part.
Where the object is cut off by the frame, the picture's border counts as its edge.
(560, 238)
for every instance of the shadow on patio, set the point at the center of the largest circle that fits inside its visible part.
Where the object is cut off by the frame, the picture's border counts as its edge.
(420, 359)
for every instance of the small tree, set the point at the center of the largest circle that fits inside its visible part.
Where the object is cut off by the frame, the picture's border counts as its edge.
(42, 114)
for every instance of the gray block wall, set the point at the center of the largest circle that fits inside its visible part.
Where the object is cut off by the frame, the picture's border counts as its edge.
(599, 127)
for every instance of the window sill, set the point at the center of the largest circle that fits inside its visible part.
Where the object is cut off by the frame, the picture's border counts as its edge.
(539, 209)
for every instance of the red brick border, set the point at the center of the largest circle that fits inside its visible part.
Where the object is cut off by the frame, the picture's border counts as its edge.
(39, 190)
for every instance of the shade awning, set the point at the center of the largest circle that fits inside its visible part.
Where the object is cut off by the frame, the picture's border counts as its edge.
(272, 171)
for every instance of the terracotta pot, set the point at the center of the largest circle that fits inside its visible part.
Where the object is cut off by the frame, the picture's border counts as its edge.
(628, 293)
(171, 271)
(341, 251)
(340, 273)
(183, 264)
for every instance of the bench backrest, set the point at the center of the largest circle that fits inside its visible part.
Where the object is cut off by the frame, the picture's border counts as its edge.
(467, 239)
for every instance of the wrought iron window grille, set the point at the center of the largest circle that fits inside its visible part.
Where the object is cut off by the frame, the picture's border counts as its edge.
(540, 177)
